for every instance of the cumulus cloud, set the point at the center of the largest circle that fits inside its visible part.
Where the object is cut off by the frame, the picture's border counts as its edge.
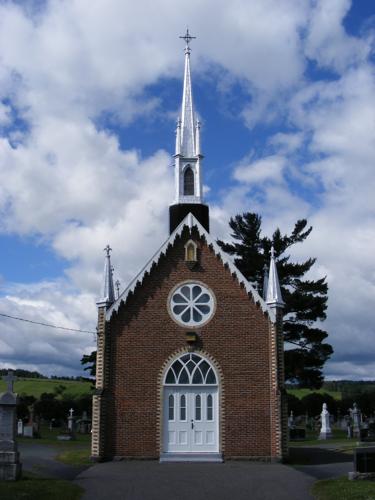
(64, 176)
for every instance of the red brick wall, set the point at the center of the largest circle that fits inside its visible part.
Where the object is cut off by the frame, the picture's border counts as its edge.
(143, 336)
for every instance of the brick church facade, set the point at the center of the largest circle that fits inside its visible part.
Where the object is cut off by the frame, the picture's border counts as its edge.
(189, 356)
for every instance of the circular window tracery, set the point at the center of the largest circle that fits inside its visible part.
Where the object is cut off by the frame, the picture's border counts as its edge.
(192, 304)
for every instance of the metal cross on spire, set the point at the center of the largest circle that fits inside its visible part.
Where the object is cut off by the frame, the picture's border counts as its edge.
(188, 38)
(108, 250)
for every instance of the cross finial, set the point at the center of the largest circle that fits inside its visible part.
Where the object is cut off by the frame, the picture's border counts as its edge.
(108, 250)
(71, 411)
(9, 379)
(188, 38)
(272, 252)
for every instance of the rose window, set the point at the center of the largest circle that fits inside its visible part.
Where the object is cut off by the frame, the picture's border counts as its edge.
(192, 304)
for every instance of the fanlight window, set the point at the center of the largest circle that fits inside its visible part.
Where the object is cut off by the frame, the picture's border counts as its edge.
(191, 369)
(188, 181)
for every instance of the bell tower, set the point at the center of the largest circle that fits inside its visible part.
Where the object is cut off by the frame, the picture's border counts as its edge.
(188, 157)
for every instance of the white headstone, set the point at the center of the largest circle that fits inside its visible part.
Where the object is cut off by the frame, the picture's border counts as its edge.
(20, 427)
(325, 431)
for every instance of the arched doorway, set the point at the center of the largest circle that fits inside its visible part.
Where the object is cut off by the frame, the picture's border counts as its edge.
(190, 407)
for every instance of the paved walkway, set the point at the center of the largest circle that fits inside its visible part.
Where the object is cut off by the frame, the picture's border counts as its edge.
(135, 480)
(40, 458)
(149, 480)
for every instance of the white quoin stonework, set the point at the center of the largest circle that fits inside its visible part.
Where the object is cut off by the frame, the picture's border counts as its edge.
(187, 154)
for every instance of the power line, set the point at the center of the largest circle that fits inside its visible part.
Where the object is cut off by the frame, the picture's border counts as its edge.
(46, 324)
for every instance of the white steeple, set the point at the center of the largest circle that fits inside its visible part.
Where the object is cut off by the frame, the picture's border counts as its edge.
(273, 297)
(188, 182)
(108, 291)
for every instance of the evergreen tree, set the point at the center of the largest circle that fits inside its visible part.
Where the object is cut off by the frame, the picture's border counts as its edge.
(305, 300)
(90, 361)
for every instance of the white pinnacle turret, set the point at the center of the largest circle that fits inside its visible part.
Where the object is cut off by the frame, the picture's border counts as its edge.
(108, 291)
(188, 156)
(273, 297)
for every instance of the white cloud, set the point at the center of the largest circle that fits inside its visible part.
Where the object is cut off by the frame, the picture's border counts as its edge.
(327, 41)
(66, 65)
(38, 347)
(269, 169)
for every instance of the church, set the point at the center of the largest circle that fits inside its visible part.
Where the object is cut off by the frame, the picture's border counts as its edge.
(189, 356)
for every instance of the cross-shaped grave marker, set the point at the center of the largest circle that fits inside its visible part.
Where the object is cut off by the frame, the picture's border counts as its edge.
(9, 379)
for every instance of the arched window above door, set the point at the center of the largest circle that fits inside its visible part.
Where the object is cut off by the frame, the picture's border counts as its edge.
(191, 369)
(188, 181)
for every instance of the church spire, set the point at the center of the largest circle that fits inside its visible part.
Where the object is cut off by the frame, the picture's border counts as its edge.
(273, 297)
(108, 291)
(188, 157)
(187, 110)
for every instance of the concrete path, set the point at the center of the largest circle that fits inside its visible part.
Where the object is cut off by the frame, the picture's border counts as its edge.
(136, 480)
(321, 462)
(40, 458)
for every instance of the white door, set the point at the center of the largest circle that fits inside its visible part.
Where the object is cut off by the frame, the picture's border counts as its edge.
(190, 419)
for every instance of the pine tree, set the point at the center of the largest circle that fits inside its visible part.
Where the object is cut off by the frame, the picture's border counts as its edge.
(305, 300)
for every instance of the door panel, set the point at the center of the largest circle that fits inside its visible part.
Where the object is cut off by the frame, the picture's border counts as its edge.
(191, 419)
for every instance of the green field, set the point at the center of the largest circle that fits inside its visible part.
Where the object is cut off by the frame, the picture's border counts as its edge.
(35, 387)
(300, 393)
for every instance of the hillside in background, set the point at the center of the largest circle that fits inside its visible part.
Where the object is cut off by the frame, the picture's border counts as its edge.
(37, 386)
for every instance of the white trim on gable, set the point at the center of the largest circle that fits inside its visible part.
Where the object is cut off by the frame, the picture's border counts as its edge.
(190, 221)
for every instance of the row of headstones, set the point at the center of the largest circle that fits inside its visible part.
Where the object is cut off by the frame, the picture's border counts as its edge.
(355, 426)
(31, 429)
(10, 465)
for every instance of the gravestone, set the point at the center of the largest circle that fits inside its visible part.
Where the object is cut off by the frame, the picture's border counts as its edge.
(71, 420)
(297, 434)
(30, 429)
(291, 424)
(356, 415)
(325, 430)
(364, 463)
(20, 427)
(10, 467)
(84, 424)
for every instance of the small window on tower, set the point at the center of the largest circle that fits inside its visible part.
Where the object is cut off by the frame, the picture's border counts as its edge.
(188, 182)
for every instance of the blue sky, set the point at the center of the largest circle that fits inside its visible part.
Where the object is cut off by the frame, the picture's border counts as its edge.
(88, 102)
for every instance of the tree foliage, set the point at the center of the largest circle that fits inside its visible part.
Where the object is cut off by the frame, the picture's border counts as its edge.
(90, 361)
(305, 299)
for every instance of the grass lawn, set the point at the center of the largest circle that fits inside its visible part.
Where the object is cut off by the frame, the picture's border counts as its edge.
(31, 487)
(300, 393)
(75, 457)
(339, 437)
(343, 489)
(49, 437)
(35, 387)
(75, 452)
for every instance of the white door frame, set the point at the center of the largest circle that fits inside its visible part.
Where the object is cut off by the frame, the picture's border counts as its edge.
(190, 410)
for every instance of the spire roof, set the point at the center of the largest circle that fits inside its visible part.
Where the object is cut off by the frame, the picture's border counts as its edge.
(273, 297)
(187, 110)
(108, 291)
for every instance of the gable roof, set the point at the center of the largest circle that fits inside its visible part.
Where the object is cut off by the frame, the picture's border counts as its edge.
(190, 221)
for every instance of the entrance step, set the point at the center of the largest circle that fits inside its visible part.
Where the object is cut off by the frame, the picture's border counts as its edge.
(191, 457)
